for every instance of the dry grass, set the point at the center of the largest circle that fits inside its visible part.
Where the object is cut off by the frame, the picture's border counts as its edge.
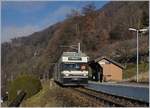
(56, 96)
(45, 98)
(143, 77)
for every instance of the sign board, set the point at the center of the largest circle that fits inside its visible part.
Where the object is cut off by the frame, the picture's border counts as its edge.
(74, 58)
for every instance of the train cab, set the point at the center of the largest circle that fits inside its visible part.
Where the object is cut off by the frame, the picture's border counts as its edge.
(72, 69)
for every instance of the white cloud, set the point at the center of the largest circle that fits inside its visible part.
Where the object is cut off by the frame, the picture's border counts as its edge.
(57, 15)
(12, 32)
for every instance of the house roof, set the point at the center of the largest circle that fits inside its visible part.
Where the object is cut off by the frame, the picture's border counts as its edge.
(110, 60)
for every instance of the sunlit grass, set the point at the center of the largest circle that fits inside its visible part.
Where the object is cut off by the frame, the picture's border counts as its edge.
(46, 97)
(130, 71)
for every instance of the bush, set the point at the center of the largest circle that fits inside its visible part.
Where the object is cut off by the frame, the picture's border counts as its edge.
(130, 70)
(30, 84)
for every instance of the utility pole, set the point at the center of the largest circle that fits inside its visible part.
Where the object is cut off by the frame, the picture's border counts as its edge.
(76, 47)
(79, 48)
(137, 55)
(77, 33)
(77, 30)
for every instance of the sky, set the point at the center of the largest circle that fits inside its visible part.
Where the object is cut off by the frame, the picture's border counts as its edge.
(22, 18)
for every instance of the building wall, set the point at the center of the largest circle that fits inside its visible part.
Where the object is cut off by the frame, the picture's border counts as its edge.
(110, 71)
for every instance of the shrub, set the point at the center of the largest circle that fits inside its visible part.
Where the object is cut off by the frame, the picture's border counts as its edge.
(30, 84)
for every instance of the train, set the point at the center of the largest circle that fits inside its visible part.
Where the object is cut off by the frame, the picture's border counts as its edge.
(72, 69)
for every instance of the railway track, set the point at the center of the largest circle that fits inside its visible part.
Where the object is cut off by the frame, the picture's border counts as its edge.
(105, 99)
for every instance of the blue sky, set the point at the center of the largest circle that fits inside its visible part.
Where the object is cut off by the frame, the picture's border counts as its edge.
(25, 17)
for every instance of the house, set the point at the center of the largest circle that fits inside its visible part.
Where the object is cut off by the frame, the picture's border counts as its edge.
(106, 69)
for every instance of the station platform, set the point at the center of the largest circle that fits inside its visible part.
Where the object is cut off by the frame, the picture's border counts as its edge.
(131, 84)
(135, 91)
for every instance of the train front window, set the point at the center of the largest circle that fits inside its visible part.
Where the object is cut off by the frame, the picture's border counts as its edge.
(72, 66)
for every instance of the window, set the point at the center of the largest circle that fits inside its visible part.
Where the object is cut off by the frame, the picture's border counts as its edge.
(73, 66)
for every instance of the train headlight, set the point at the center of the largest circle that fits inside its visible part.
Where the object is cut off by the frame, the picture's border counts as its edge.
(66, 74)
(85, 74)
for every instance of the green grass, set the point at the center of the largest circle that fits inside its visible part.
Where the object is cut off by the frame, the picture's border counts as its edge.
(30, 84)
(130, 70)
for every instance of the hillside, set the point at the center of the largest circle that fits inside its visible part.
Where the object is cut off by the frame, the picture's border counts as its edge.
(100, 32)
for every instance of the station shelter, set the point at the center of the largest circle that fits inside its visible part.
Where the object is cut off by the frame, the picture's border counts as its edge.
(105, 69)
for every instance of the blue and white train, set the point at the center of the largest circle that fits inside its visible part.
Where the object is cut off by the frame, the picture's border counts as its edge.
(72, 69)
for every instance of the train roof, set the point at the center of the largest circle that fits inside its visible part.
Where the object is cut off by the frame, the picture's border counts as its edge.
(68, 54)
